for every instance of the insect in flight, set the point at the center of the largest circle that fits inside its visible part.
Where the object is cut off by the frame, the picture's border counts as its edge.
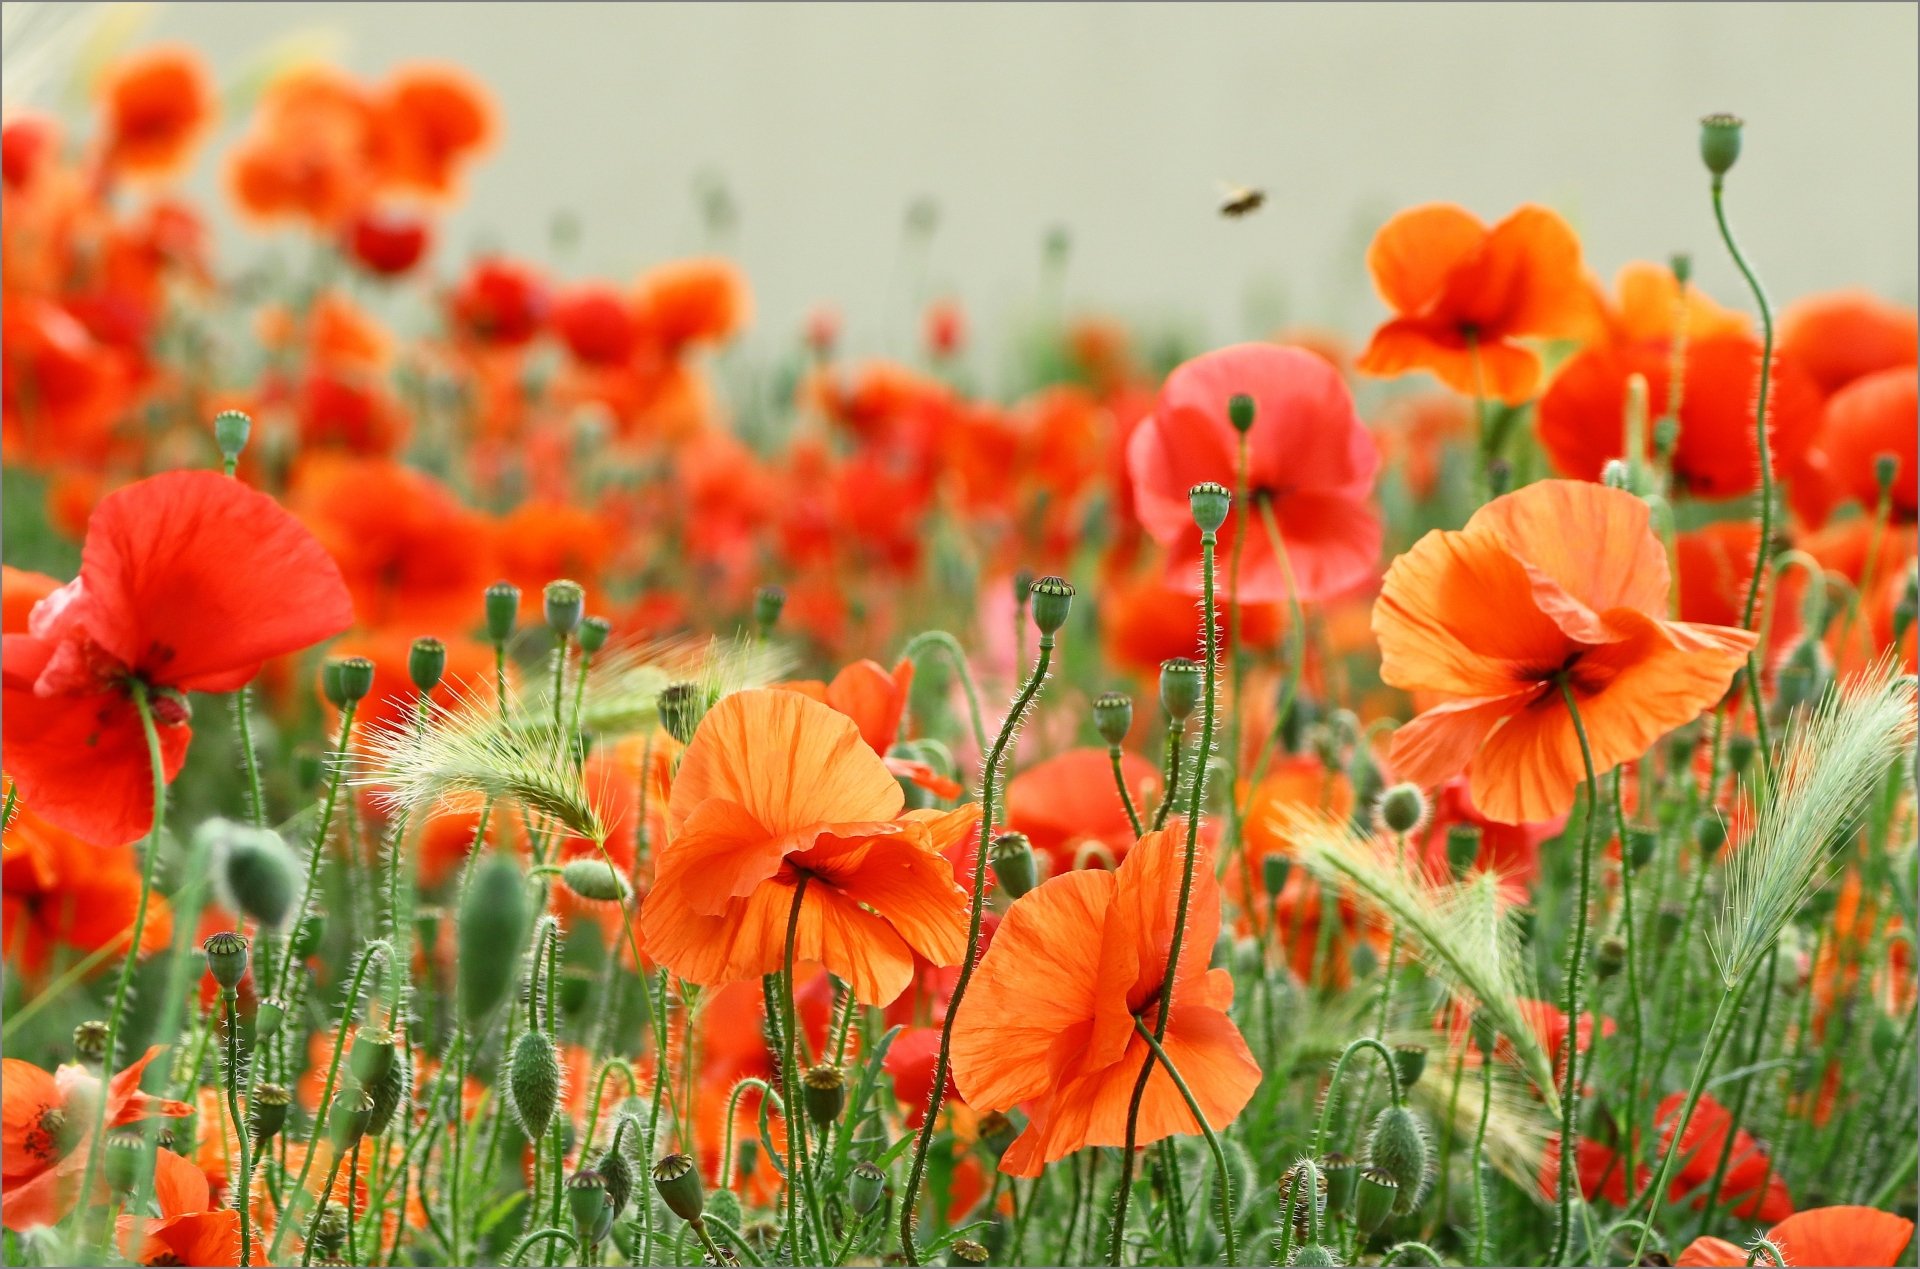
(1240, 200)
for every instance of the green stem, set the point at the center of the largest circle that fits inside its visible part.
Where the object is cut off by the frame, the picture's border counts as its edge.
(1120, 782)
(1479, 1161)
(244, 1187)
(1576, 964)
(957, 657)
(340, 752)
(319, 1209)
(1206, 1130)
(1738, 1111)
(1332, 1098)
(1632, 1098)
(542, 1236)
(790, 1079)
(256, 799)
(1176, 738)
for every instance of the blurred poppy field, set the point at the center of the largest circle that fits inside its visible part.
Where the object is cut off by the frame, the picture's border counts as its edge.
(501, 768)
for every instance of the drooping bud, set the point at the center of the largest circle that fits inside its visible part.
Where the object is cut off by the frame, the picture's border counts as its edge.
(389, 1091)
(1014, 867)
(503, 611)
(1179, 688)
(1240, 412)
(226, 958)
(768, 603)
(1610, 957)
(1274, 871)
(593, 634)
(346, 680)
(1209, 501)
(1805, 677)
(1397, 1145)
(565, 601)
(1052, 600)
(231, 431)
(1709, 835)
(1720, 142)
(1463, 847)
(493, 915)
(254, 870)
(90, 1042)
(1113, 716)
(678, 1181)
(1740, 753)
(1403, 808)
(534, 1079)
(267, 1111)
(591, 1209)
(1640, 844)
(1378, 1195)
(866, 1187)
(330, 1228)
(594, 878)
(615, 1169)
(426, 663)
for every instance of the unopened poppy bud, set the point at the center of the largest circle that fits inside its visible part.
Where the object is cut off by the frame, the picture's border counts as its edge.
(1410, 1060)
(272, 1011)
(351, 1114)
(965, 1251)
(1342, 1173)
(768, 603)
(593, 634)
(503, 611)
(346, 680)
(90, 1041)
(1666, 925)
(389, 1091)
(534, 1079)
(617, 1172)
(1403, 808)
(1113, 716)
(565, 601)
(1616, 474)
(1274, 871)
(678, 1182)
(1680, 264)
(824, 1091)
(226, 958)
(254, 870)
(576, 989)
(1209, 502)
(330, 1228)
(594, 878)
(866, 1187)
(587, 1202)
(1805, 677)
(493, 915)
(1179, 688)
(123, 1160)
(1720, 142)
(1311, 1254)
(1463, 847)
(1397, 1145)
(679, 708)
(1240, 412)
(1052, 599)
(231, 429)
(1014, 868)
(1610, 957)
(1740, 751)
(426, 662)
(1709, 835)
(1481, 1029)
(1640, 844)
(267, 1111)
(1378, 1195)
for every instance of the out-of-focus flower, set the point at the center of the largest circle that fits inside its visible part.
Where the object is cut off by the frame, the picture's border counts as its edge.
(156, 106)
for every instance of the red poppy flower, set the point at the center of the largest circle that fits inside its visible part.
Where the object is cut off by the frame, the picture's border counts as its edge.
(1715, 565)
(1840, 336)
(1856, 1236)
(1070, 800)
(1458, 288)
(386, 243)
(430, 121)
(60, 890)
(693, 301)
(596, 324)
(157, 105)
(188, 582)
(1310, 463)
(1748, 1166)
(1875, 415)
(499, 302)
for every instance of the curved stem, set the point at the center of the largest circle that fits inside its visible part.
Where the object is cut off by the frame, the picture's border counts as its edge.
(539, 1236)
(1176, 740)
(794, 1103)
(1576, 964)
(988, 779)
(1120, 782)
(1206, 1130)
(957, 657)
(1333, 1086)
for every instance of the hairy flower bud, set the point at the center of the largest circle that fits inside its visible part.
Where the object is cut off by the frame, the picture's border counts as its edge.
(768, 603)
(534, 1080)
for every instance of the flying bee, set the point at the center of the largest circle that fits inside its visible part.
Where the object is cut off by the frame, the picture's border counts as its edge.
(1240, 200)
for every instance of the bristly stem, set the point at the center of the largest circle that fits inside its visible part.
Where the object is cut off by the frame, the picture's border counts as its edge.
(1576, 964)
(1120, 782)
(792, 1103)
(1206, 1130)
(989, 778)
(1196, 793)
(243, 725)
(1327, 1103)
(340, 752)
(957, 658)
(1480, 1160)
(1176, 739)
(241, 1132)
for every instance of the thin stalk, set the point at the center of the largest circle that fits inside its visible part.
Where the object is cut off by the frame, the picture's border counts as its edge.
(1120, 783)
(319, 1210)
(1576, 964)
(1332, 1098)
(957, 658)
(256, 799)
(790, 1078)
(1479, 1161)
(318, 851)
(230, 998)
(1176, 739)
(1633, 972)
(1738, 1110)
(1206, 1130)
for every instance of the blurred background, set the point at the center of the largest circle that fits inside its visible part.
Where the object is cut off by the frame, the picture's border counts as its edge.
(796, 138)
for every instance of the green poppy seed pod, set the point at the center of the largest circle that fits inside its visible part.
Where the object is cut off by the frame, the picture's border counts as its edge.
(493, 916)
(594, 878)
(1397, 1145)
(1609, 957)
(1113, 716)
(309, 764)
(1312, 1254)
(268, 1017)
(1179, 688)
(372, 1056)
(768, 603)
(1680, 264)
(965, 1251)
(1274, 871)
(1014, 867)
(1052, 600)
(1403, 808)
(1740, 752)
(1720, 143)
(1209, 502)
(1378, 1194)
(1342, 1173)
(90, 1042)
(1410, 1060)
(389, 1091)
(1463, 847)
(346, 680)
(1805, 677)
(534, 1079)
(593, 634)
(231, 430)
(226, 958)
(330, 1228)
(866, 1187)
(1240, 412)
(123, 1159)
(267, 1111)
(615, 1169)
(1641, 843)
(824, 1090)
(426, 663)
(503, 611)
(1616, 474)
(1022, 588)
(350, 1117)
(587, 1202)
(576, 989)
(255, 871)
(565, 602)
(1666, 925)
(679, 708)
(1709, 835)
(996, 1132)
(1484, 1034)
(678, 1182)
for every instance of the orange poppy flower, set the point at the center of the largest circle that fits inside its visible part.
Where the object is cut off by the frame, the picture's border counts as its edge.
(1857, 1236)
(385, 242)
(876, 701)
(693, 301)
(1876, 414)
(157, 105)
(430, 121)
(1561, 581)
(1748, 1166)
(59, 890)
(1050, 1021)
(1457, 287)
(65, 392)
(775, 791)
(310, 153)
(1070, 800)
(20, 590)
(1715, 563)
(1840, 336)
(190, 1230)
(43, 1128)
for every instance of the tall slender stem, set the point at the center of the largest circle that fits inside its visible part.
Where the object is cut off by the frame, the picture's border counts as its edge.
(1120, 782)
(243, 1188)
(1576, 964)
(1206, 1130)
(1480, 1162)
(791, 1100)
(243, 725)
(1176, 738)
